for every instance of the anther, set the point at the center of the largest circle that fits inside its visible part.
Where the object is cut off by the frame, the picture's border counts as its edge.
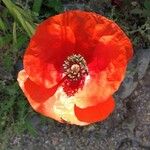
(75, 69)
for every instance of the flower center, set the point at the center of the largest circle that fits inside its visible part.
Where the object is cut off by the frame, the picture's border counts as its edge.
(75, 70)
(75, 67)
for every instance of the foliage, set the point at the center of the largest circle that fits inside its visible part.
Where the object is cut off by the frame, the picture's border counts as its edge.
(18, 20)
(22, 16)
(14, 112)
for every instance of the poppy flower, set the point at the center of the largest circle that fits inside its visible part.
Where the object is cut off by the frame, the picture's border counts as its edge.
(73, 64)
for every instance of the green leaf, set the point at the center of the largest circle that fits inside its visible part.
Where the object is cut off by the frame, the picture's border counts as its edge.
(24, 23)
(22, 16)
(37, 5)
(56, 4)
(2, 25)
(12, 89)
(4, 40)
(30, 128)
(21, 40)
(8, 62)
(14, 34)
(31, 29)
(147, 4)
(6, 106)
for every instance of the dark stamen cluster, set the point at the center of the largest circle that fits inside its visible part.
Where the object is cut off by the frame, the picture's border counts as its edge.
(75, 67)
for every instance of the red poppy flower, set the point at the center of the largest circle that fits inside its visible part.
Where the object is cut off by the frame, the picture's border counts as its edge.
(74, 63)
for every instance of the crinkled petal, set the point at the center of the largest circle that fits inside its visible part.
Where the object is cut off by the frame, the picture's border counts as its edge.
(82, 24)
(46, 52)
(64, 107)
(95, 113)
(38, 96)
(88, 28)
(48, 101)
(106, 70)
(100, 86)
(113, 47)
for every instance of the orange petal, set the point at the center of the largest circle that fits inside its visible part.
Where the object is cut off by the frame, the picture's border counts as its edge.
(82, 24)
(113, 47)
(89, 28)
(95, 113)
(52, 103)
(38, 96)
(106, 70)
(106, 49)
(100, 86)
(46, 52)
